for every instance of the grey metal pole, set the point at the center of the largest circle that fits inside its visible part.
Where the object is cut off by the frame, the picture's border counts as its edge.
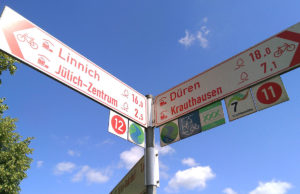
(150, 181)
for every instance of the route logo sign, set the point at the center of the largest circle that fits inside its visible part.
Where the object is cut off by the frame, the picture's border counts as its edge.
(193, 123)
(269, 93)
(240, 104)
(189, 124)
(212, 116)
(169, 133)
(126, 129)
(30, 44)
(118, 125)
(136, 134)
(267, 59)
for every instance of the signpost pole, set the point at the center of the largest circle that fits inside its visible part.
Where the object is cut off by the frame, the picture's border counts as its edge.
(150, 152)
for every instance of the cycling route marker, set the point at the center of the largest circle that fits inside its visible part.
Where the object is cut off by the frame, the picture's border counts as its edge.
(136, 134)
(274, 56)
(240, 104)
(30, 44)
(126, 129)
(192, 123)
(189, 124)
(169, 133)
(118, 125)
(211, 116)
(269, 93)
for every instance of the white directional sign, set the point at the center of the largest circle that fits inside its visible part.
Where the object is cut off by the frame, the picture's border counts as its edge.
(38, 49)
(271, 57)
(269, 93)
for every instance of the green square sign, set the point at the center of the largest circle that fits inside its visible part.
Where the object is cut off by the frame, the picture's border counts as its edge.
(211, 116)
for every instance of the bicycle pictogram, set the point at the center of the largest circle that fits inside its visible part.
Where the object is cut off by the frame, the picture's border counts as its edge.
(29, 40)
(285, 47)
(189, 126)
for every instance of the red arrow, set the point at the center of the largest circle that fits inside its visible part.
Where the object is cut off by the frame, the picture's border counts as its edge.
(9, 35)
(293, 36)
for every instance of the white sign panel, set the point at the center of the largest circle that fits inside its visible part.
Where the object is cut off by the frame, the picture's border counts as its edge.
(118, 125)
(271, 57)
(38, 49)
(269, 93)
(240, 104)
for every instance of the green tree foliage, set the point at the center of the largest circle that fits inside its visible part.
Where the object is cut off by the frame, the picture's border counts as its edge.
(14, 160)
(7, 63)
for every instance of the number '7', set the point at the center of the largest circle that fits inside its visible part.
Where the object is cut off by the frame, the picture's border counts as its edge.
(235, 105)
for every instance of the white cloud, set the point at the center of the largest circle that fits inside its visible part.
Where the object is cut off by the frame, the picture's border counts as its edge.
(200, 35)
(229, 191)
(39, 164)
(190, 179)
(94, 176)
(83, 140)
(205, 30)
(187, 40)
(202, 39)
(189, 162)
(79, 175)
(73, 153)
(91, 175)
(163, 168)
(130, 157)
(272, 187)
(107, 141)
(164, 175)
(64, 167)
(166, 150)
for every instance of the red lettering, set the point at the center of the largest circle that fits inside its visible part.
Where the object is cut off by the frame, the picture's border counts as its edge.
(59, 55)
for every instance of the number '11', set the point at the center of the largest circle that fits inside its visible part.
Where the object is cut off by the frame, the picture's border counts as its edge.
(266, 93)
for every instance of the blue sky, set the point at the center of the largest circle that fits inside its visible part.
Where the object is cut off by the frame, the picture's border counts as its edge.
(153, 46)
